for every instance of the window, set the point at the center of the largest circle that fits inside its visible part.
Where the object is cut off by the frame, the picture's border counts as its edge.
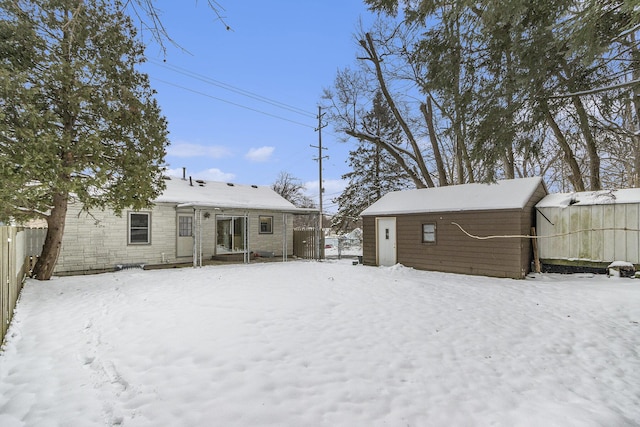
(185, 226)
(428, 233)
(139, 228)
(266, 225)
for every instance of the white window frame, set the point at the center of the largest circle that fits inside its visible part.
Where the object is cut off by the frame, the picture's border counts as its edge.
(185, 225)
(130, 228)
(270, 222)
(429, 236)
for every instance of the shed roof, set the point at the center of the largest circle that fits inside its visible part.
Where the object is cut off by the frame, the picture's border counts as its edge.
(211, 194)
(504, 194)
(588, 198)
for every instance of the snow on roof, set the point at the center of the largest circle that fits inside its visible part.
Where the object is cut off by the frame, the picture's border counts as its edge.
(587, 198)
(223, 195)
(504, 194)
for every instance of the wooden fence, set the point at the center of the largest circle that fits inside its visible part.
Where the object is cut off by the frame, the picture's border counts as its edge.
(19, 247)
(305, 243)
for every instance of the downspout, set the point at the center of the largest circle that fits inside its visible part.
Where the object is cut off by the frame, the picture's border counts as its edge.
(197, 237)
(200, 237)
(246, 238)
(195, 231)
(284, 236)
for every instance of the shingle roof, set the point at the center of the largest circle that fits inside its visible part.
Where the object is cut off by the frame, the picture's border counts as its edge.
(203, 194)
(504, 194)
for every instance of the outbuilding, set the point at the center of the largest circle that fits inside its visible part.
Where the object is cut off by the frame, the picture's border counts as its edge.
(588, 230)
(469, 228)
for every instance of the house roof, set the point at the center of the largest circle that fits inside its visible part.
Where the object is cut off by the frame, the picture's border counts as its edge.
(588, 198)
(504, 194)
(210, 194)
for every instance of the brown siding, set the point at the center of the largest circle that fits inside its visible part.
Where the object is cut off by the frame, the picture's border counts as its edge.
(369, 240)
(456, 252)
(528, 221)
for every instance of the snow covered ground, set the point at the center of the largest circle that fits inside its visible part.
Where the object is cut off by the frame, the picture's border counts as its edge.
(322, 344)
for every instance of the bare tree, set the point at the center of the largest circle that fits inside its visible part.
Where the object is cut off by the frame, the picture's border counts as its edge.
(150, 17)
(384, 70)
(292, 189)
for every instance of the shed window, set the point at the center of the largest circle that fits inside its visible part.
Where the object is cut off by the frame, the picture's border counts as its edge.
(266, 225)
(429, 233)
(139, 228)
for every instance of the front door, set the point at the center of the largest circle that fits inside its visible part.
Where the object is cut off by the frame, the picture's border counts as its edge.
(185, 235)
(386, 241)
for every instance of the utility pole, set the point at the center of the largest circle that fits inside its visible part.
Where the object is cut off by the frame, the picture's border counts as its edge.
(319, 159)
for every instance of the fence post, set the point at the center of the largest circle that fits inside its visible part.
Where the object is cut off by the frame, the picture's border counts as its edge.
(12, 269)
(5, 279)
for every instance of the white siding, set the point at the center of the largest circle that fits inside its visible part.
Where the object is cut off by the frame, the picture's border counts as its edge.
(632, 236)
(267, 242)
(270, 242)
(98, 240)
(597, 237)
(609, 236)
(599, 233)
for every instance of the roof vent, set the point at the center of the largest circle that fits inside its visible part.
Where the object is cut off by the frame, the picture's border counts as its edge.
(230, 184)
(254, 186)
(200, 182)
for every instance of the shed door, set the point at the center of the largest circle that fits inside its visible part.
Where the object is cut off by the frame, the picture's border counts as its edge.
(386, 241)
(185, 235)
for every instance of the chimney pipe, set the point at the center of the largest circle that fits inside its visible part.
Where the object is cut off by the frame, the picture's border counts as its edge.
(190, 181)
(184, 173)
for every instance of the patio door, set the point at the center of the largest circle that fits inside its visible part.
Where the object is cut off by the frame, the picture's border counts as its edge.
(231, 234)
(386, 241)
(185, 235)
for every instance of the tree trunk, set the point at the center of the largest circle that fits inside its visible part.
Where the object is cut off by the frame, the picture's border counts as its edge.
(583, 122)
(427, 112)
(457, 101)
(467, 161)
(592, 149)
(634, 123)
(377, 172)
(394, 153)
(576, 174)
(509, 163)
(370, 48)
(509, 158)
(43, 269)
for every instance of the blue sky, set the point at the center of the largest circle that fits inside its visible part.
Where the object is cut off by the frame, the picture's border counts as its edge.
(286, 51)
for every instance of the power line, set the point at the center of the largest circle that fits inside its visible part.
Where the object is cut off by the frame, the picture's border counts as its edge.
(234, 89)
(231, 103)
(240, 91)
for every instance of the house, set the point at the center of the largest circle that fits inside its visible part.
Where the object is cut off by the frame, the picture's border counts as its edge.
(586, 231)
(445, 228)
(191, 221)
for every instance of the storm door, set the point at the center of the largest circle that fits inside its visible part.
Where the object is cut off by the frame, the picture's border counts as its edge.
(185, 235)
